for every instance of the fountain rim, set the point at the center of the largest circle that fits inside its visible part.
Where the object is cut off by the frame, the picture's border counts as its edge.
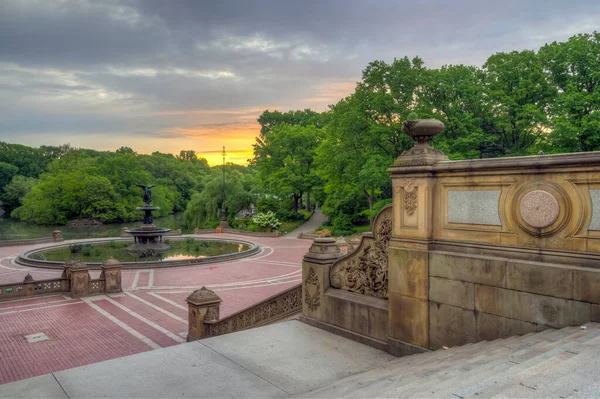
(24, 260)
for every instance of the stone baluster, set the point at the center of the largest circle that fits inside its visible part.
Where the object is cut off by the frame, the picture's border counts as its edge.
(203, 305)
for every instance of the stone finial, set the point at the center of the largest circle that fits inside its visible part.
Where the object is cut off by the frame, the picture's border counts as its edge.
(203, 296)
(541, 152)
(323, 250)
(422, 132)
(76, 264)
(28, 279)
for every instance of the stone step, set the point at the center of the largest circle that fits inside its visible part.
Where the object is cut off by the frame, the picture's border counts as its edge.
(499, 379)
(567, 361)
(406, 370)
(484, 370)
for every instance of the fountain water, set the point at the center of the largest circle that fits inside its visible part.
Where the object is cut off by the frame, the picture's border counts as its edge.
(148, 237)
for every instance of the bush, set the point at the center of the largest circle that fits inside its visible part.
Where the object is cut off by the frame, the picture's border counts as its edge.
(267, 204)
(267, 221)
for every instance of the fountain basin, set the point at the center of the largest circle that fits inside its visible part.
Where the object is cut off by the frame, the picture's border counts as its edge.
(182, 252)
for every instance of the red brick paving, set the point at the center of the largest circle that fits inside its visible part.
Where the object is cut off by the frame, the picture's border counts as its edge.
(80, 335)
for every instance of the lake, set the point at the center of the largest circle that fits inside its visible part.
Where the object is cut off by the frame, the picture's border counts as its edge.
(11, 229)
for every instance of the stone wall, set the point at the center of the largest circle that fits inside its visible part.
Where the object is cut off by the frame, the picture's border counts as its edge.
(485, 249)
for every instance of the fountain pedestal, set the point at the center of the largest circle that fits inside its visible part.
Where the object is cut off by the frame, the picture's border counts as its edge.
(148, 236)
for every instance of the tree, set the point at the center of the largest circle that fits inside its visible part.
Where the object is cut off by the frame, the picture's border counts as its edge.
(202, 210)
(574, 69)
(7, 172)
(453, 95)
(60, 197)
(518, 93)
(285, 161)
(15, 191)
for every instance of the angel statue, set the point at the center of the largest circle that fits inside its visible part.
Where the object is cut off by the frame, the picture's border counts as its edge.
(147, 193)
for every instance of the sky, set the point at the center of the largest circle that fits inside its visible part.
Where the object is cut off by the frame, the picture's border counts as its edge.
(171, 75)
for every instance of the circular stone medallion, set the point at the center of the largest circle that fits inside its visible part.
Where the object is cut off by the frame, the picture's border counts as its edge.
(539, 209)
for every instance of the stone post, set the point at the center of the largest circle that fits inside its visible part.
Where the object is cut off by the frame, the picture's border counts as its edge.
(315, 275)
(343, 245)
(413, 185)
(203, 305)
(196, 231)
(124, 232)
(111, 274)
(80, 277)
(28, 285)
(57, 235)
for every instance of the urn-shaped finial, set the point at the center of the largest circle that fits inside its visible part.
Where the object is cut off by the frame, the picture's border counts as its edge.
(422, 131)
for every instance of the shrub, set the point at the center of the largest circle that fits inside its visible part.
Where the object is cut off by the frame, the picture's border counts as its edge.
(267, 221)
(267, 204)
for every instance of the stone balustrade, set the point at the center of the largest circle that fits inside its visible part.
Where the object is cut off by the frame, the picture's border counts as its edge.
(203, 312)
(75, 282)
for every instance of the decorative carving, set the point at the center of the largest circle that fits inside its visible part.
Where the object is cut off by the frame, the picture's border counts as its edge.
(312, 284)
(211, 314)
(409, 195)
(272, 309)
(365, 271)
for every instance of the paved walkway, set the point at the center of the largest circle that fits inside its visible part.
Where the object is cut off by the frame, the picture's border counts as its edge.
(317, 219)
(151, 313)
(278, 360)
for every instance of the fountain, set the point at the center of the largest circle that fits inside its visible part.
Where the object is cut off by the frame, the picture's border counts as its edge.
(148, 237)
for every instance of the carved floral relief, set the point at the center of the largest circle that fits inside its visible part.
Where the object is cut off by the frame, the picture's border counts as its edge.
(312, 290)
(365, 271)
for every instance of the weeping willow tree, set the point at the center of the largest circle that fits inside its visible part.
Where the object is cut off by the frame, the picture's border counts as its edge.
(203, 209)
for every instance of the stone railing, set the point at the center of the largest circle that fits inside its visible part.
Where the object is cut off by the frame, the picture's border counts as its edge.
(204, 321)
(30, 287)
(75, 281)
(56, 237)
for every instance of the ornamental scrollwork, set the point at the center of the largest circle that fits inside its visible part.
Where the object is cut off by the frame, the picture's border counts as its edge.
(365, 271)
(262, 313)
(311, 283)
(409, 195)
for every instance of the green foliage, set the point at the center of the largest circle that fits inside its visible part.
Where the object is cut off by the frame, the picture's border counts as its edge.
(378, 206)
(7, 172)
(267, 221)
(342, 225)
(284, 160)
(267, 203)
(100, 185)
(202, 210)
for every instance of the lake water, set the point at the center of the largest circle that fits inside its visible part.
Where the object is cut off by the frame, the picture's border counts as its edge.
(11, 229)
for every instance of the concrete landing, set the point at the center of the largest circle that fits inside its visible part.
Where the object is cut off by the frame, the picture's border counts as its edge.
(278, 360)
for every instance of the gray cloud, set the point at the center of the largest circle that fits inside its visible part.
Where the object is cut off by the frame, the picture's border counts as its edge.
(118, 67)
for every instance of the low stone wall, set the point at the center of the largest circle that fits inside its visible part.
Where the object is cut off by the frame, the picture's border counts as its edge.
(26, 260)
(474, 298)
(56, 237)
(30, 287)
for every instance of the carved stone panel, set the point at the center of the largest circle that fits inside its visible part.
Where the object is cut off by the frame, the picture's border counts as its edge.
(365, 271)
(312, 290)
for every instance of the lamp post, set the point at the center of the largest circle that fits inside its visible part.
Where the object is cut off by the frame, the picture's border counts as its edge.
(223, 213)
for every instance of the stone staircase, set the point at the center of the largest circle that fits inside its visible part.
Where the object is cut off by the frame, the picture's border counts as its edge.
(552, 363)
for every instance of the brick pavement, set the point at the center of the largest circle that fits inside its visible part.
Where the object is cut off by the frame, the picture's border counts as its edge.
(151, 313)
